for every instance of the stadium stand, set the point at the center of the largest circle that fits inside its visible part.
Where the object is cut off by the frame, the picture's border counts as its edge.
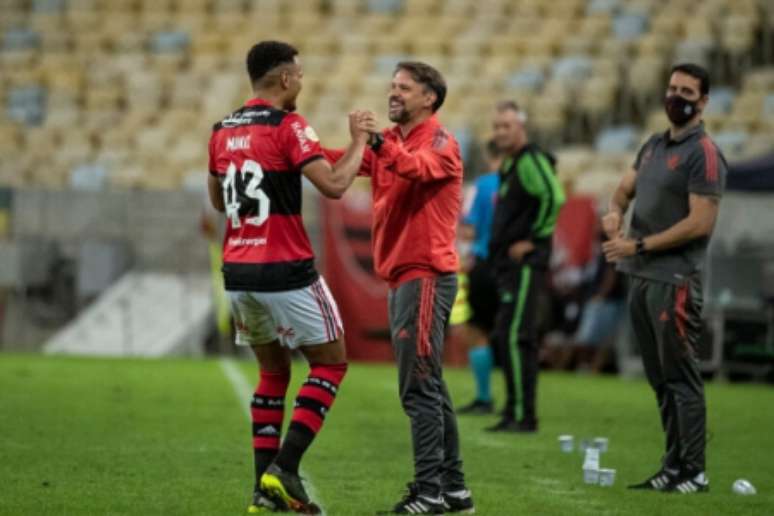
(142, 80)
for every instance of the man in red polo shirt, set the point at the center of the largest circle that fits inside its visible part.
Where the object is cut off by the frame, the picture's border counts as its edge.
(416, 177)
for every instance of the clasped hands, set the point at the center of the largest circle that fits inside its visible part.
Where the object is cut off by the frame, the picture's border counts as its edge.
(617, 246)
(362, 124)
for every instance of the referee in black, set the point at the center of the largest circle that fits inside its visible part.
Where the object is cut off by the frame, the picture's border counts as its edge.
(528, 203)
(677, 179)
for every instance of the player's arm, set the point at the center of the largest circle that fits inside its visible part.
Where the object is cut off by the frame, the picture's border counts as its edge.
(332, 156)
(216, 193)
(214, 188)
(333, 181)
(424, 165)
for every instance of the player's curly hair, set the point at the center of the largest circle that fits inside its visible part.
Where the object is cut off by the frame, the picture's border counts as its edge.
(266, 56)
(429, 77)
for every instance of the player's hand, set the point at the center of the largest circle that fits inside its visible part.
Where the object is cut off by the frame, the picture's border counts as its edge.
(520, 249)
(361, 125)
(611, 225)
(618, 248)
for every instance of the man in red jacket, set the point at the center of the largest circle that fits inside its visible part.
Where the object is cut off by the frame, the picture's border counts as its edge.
(416, 177)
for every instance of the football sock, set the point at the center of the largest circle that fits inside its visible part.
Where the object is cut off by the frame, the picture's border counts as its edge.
(314, 400)
(267, 410)
(481, 361)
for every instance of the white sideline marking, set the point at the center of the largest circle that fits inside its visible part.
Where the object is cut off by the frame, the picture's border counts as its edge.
(244, 392)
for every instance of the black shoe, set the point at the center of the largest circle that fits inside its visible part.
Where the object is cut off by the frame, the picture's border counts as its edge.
(507, 424)
(688, 484)
(477, 407)
(415, 503)
(263, 502)
(459, 501)
(658, 482)
(288, 488)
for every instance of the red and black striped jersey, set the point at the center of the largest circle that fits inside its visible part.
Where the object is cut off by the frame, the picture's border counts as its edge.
(257, 152)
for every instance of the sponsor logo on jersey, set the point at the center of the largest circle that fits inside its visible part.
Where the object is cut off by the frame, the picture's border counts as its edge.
(238, 143)
(311, 134)
(254, 242)
(300, 132)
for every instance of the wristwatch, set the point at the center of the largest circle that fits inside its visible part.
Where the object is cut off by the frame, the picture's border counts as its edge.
(640, 246)
(375, 141)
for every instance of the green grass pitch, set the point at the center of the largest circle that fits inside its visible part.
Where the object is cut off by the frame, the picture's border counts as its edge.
(145, 437)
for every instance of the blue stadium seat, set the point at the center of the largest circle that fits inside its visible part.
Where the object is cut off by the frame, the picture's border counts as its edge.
(721, 101)
(614, 140)
(26, 104)
(572, 68)
(629, 26)
(384, 6)
(20, 39)
(602, 7)
(89, 177)
(529, 78)
(732, 143)
(48, 5)
(169, 41)
(385, 64)
(768, 105)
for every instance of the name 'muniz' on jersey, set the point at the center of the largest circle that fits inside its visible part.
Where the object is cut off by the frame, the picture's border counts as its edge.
(257, 152)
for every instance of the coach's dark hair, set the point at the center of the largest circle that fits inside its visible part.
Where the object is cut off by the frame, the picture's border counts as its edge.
(429, 77)
(695, 71)
(266, 56)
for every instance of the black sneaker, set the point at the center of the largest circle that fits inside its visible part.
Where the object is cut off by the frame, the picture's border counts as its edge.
(459, 501)
(508, 424)
(477, 407)
(264, 502)
(658, 482)
(288, 488)
(415, 503)
(688, 484)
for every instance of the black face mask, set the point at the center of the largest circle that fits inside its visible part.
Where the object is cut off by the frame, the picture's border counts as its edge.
(680, 110)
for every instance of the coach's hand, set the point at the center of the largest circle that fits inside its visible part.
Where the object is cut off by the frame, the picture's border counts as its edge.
(611, 225)
(361, 125)
(520, 249)
(618, 248)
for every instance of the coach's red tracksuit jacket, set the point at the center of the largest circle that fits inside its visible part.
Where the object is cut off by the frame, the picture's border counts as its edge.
(417, 196)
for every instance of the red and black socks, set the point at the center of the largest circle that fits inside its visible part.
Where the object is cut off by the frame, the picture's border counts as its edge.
(267, 410)
(314, 400)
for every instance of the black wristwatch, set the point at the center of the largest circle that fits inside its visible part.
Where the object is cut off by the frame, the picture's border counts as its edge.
(639, 246)
(375, 141)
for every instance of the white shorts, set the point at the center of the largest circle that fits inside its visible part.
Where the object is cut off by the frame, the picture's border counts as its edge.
(300, 317)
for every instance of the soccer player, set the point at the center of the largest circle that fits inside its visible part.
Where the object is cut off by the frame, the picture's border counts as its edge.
(677, 178)
(482, 289)
(528, 204)
(416, 179)
(279, 301)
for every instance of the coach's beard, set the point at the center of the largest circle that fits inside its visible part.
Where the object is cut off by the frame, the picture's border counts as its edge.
(397, 112)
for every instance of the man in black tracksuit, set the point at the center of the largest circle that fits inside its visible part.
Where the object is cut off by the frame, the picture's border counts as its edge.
(528, 203)
(677, 180)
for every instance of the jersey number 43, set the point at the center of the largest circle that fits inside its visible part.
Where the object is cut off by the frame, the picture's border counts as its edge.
(242, 194)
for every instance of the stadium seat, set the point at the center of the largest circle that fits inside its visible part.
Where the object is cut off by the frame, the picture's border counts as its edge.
(615, 140)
